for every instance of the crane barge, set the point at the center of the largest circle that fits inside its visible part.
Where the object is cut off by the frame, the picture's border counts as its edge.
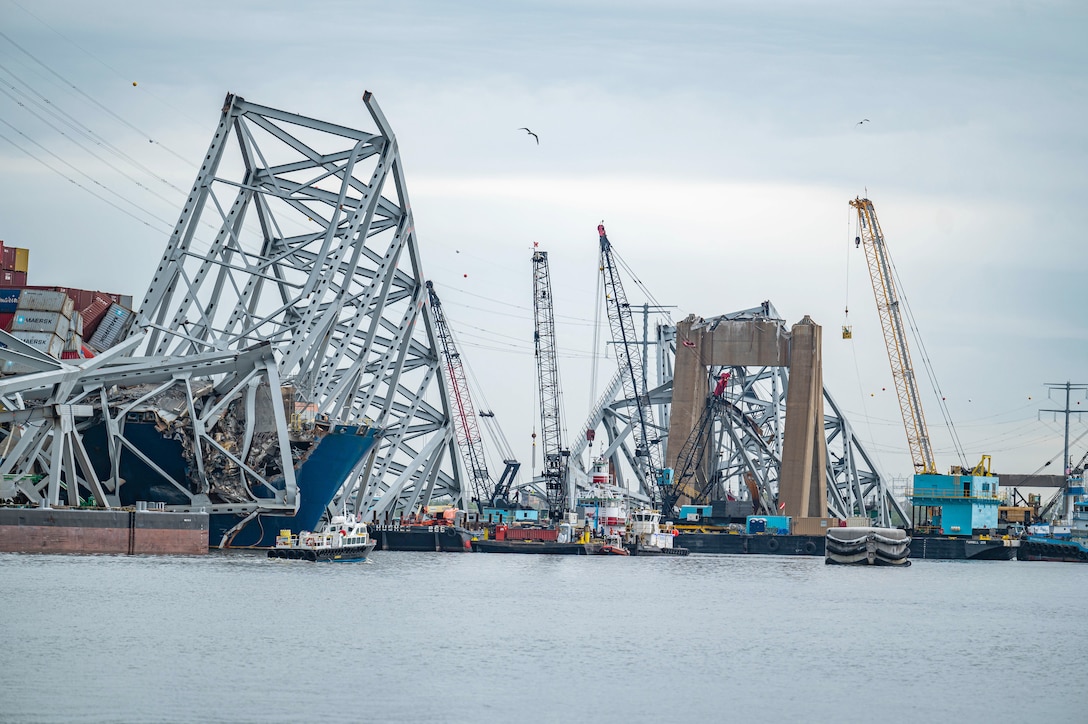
(953, 516)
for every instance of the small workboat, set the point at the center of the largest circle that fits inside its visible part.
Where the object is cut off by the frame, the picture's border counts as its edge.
(341, 540)
(646, 535)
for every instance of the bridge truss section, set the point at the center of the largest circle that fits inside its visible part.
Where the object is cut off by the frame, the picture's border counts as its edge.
(294, 272)
(299, 233)
(747, 440)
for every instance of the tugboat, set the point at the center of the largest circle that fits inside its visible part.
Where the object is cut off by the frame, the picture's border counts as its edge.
(647, 536)
(341, 541)
(1056, 546)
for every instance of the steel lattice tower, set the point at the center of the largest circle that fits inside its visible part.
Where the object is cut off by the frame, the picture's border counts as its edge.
(555, 456)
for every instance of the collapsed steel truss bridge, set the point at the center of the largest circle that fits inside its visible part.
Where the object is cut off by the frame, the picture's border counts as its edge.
(293, 273)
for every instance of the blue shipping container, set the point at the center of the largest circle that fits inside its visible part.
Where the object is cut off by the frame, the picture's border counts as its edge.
(9, 300)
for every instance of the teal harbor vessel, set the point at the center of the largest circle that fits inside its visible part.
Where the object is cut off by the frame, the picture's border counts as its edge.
(1058, 545)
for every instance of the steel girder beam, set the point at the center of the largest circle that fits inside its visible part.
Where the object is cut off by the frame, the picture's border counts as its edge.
(852, 477)
(204, 399)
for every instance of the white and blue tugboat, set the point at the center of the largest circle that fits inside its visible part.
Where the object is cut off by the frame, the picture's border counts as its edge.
(341, 540)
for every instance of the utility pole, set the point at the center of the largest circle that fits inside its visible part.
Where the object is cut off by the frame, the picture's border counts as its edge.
(1067, 471)
(646, 309)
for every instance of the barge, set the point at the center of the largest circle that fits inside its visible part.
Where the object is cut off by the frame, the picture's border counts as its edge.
(415, 537)
(537, 547)
(133, 531)
(752, 544)
(963, 548)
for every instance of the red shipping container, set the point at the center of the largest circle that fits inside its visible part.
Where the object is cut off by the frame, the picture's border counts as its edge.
(5, 321)
(543, 534)
(7, 258)
(19, 279)
(82, 297)
(94, 312)
(7, 278)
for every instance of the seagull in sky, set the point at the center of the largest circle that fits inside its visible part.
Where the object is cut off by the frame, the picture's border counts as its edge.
(531, 134)
(863, 120)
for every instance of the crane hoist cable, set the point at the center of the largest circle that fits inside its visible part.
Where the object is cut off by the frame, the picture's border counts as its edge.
(847, 328)
(928, 366)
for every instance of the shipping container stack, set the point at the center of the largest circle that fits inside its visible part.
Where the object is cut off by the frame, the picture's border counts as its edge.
(56, 320)
(42, 320)
(13, 265)
(63, 322)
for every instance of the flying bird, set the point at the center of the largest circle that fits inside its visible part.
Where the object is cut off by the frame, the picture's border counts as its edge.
(863, 120)
(531, 134)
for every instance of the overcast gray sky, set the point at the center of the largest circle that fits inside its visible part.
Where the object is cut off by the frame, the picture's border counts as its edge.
(717, 140)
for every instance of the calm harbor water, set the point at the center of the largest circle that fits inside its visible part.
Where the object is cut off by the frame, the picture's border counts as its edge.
(413, 637)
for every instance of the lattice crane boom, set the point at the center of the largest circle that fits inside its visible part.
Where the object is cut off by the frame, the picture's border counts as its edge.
(466, 425)
(895, 339)
(556, 456)
(622, 325)
(690, 481)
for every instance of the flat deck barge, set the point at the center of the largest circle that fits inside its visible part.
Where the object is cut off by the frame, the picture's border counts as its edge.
(537, 547)
(81, 530)
(752, 543)
(408, 537)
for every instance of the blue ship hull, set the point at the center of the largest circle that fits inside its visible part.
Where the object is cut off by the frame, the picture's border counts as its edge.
(323, 470)
(320, 475)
